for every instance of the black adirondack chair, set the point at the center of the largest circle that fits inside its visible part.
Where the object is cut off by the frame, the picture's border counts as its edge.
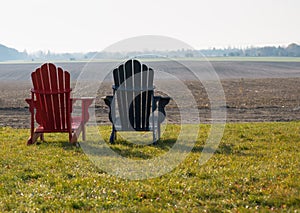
(134, 93)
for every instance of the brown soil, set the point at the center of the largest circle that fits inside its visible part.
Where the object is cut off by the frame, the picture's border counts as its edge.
(247, 100)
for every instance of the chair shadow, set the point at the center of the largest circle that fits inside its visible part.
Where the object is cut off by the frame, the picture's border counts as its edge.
(66, 145)
(223, 148)
(131, 150)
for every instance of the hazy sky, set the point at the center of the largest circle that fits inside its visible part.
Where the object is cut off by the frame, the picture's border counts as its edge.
(92, 25)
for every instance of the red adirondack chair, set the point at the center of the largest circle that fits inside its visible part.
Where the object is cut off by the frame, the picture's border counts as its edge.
(51, 105)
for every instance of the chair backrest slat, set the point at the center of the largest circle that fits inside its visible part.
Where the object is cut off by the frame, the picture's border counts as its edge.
(40, 100)
(150, 93)
(144, 96)
(48, 97)
(55, 97)
(129, 93)
(62, 101)
(137, 68)
(67, 96)
(119, 76)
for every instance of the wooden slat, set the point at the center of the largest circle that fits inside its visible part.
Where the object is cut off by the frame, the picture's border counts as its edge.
(121, 95)
(137, 94)
(37, 84)
(43, 107)
(150, 79)
(149, 95)
(62, 104)
(67, 86)
(117, 95)
(116, 77)
(130, 88)
(55, 98)
(144, 95)
(48, 97)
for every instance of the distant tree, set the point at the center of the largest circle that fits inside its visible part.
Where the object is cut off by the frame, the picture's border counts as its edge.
(189, 55)
(293, 50)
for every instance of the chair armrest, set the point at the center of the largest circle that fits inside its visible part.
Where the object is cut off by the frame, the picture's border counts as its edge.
(162, 102)
(29, 101)
(31, 104)
(108, 101)
(87, 100)
(85, 104)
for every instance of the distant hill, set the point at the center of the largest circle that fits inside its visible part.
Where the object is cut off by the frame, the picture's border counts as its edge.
(7, 53)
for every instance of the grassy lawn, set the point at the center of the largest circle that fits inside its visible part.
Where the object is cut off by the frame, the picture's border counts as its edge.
(256, 168)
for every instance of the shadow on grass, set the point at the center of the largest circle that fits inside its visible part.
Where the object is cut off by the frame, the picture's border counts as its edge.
(126, 149)
(66, 145)
(131, 150)
(221, 149)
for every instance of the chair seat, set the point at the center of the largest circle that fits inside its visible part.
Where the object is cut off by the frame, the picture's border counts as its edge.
(118, 126)
(76, 122)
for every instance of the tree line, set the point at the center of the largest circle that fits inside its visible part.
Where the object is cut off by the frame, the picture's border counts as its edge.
(292, 50)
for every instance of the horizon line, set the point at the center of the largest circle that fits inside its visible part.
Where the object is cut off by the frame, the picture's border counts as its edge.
(217, 47)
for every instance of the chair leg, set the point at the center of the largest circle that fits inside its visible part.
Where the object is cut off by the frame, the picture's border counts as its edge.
(113, 136)
(154, 137)
(76, 134)
(42, 136)
(73, 139)
(34, 138)
(158, 131)
(29, 142)
(83, 132)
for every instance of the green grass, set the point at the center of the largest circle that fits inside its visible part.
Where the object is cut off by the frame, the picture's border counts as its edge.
(256, 168)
